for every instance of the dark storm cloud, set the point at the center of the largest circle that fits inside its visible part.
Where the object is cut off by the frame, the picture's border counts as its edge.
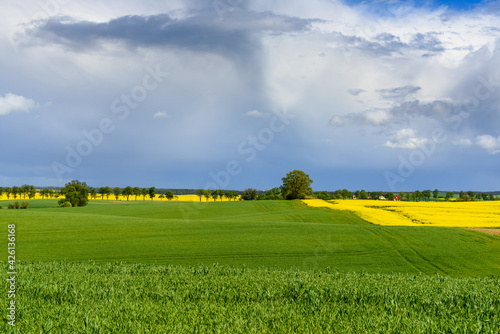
(199, 33)
(398, 93)
(427, 42)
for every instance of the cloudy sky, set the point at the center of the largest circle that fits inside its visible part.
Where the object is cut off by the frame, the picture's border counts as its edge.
(382, 95)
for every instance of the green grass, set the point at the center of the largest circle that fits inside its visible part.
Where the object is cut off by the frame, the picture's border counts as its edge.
(244, 267)
(272, 234)
(87, 297)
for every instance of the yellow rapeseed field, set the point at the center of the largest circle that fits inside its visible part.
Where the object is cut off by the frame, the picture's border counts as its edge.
(177, 198)
(484, 214)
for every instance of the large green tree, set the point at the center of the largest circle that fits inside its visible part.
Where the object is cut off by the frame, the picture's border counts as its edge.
(76, 193)
(296, 185)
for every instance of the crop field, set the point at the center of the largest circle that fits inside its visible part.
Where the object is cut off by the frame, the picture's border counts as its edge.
(177, 198)
(62, 297)
(246, 266)
(481, 214)
(282, 234)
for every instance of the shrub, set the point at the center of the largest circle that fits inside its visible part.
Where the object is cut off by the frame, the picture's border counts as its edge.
(11, 206)
(25, 205)
(66, 205)
(17, 205)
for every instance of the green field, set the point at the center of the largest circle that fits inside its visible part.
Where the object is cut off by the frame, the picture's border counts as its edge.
(63, 297)
(239, 267)
(271, 234)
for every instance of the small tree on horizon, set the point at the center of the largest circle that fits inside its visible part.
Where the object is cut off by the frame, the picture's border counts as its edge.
(169, 195)
(117, 192)
(137, 192)
(127, 192)
(200, 193)
(249, 194)
(144, 193)
(207, 194)
(152, 192)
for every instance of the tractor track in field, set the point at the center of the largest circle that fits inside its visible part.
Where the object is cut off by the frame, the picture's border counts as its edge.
(392, 240)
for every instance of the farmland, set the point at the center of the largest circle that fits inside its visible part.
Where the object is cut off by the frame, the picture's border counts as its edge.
(284, 234)
(62, 297)
(481, 214)
(246, 266)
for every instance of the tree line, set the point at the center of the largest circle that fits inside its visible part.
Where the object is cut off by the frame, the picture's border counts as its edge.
(28, 191)
(295, 185)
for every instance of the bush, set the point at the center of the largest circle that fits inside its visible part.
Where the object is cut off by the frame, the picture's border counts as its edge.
(11, 206)
(17, 205)
(26, 204)
(66, 205)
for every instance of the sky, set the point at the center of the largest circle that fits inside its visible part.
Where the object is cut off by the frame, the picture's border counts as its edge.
(231, 94)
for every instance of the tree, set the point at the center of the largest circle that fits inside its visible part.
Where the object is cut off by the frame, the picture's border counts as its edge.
(215, 195)
(417, 195)
(8, 191)
(296, 185)
(127, 192)
(207, 194)
(249, 194)
(32, 192)
(274, 194)
(435, 193)
(103, 191)
(15, 191)
(346, 194)
(389, 196)
(426, 194)
(152, 192)
(363, 194)
(449, 195)
(169, 195)
(471, 195)
(93, 192)
(144, 193)
(117, 192)
(137, 192)
(200, 193)
(161, 197)
(230, 194)
(27, 190)
(220, 192)
(76, 193)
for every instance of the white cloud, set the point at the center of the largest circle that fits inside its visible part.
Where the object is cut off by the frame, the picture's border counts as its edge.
(405, 139)
(462, 142)
(255, 113)
(160, 114)
(489, 143)
(378, 117)
(12, 103)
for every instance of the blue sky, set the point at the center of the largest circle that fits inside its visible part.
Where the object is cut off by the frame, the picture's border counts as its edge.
(387, 95)
(453, 5)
